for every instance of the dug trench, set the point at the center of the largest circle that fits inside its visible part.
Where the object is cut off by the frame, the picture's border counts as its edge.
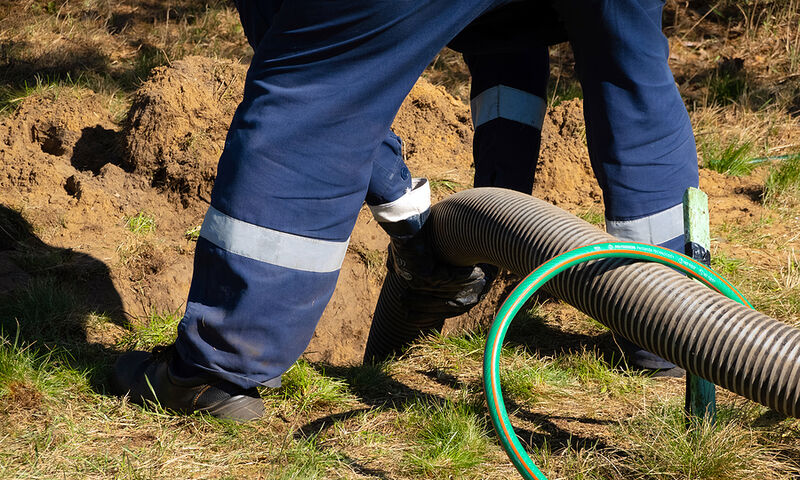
(77, 177)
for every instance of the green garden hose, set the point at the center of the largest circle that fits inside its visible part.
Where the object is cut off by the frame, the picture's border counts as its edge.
(531, 283)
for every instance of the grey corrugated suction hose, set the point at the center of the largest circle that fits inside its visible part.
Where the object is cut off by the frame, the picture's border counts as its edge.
(657, 308)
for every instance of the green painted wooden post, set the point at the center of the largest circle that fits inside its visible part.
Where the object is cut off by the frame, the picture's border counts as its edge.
(701, 396)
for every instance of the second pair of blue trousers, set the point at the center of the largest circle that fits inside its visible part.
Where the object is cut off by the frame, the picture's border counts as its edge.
(325, 83)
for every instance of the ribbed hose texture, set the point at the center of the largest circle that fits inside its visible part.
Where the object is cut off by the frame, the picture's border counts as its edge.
(395, 324)
(657, 308)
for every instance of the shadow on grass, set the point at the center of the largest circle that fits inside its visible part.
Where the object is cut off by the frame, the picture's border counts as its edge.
(377, 389)
(52, 298)
(84, 60)
(535, 335)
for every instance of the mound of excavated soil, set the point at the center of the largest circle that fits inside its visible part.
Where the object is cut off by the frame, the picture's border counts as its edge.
(564, 175)
(77, 176)
(437, 134)
(176, 126)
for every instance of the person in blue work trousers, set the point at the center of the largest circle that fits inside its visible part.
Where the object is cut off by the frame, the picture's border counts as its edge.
(311, 141)
(509, 65)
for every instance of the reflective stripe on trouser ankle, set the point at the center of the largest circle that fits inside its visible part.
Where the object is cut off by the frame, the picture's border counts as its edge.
(655, 229)
(414, 202)
(664, 228)
(271, 246)
(510, 103)
(404, 217)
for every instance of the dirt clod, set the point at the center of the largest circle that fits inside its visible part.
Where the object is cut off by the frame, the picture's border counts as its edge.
(177, 123)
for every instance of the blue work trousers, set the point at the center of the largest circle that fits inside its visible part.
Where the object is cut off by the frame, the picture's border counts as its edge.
(325, 83)
(509, 65)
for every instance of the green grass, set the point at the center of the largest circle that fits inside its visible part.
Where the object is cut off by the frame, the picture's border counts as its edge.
(192, 234)
(28, 377)
(592, 216)
(573, 462)
(37, 260)
(305, 459)
(45, 310)
(373, 259)
(595, 373)
(452, 437)
(734, 159)
(726, 87)
(661, 447)
(752, 233)
(783, 182)
(726, 266)
(533, 379)
(309, 389)
(466, 345)
(788, 277)
(562, 90)
(11, 97)
(142, 223)
(367, 380)
(159, 328)
(55, 85)
(363, 430)
(443, 185)
(48, 7)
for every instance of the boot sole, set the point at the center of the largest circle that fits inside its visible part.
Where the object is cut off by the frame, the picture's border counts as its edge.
(239, 408)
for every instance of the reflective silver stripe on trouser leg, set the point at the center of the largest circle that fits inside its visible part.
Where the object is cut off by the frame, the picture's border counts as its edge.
(414, 202)
(654, 229)
(510, 103)
(272, 246)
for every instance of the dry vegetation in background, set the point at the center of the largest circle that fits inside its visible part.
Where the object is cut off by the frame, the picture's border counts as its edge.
(423, 415)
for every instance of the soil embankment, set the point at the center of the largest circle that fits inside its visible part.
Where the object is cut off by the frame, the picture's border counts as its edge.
(77, 175)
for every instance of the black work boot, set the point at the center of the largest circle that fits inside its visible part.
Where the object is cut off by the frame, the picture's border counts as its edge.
(650, 364)
(146, 377)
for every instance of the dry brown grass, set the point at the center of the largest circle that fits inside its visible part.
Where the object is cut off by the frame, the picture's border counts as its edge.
(107, 46)
(57, 422)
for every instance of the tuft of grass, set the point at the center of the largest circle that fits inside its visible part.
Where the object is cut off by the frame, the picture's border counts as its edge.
(562, 90)
(159, 328)
(725, 87)
(305, 459)
(29, 378)
(11, 97)
(192, 234)
(310, 389)
(661, 447)
(573, 462)
(592, 370)
(466, 345)
(373, 259)
(141, 223)
(755, 234)
(734, 159)
(452, 437)
(534, 378)
(726, 266)
(369, 380)
(592, 216)
(147, 58)
(783, 182)
(365, 429)
(444, 185)
(43, 310)
(789, 276)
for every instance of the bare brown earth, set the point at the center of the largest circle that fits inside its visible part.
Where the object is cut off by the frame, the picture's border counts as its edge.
(76, 176)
